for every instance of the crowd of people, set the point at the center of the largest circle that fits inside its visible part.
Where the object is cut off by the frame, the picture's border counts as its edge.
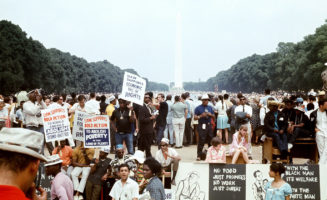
(165, 120)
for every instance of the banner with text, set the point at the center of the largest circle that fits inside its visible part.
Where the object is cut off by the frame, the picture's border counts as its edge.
(78, 125)
(56, 124)
(228, 181)
(133, 88)
(96, 131)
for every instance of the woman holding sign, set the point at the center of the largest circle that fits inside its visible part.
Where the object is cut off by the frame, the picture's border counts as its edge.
(278, 189)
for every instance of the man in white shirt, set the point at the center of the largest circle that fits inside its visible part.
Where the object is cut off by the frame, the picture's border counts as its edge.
(247, 110)
(92, 106)
(168, 158)
(125, 188)
(319, 120)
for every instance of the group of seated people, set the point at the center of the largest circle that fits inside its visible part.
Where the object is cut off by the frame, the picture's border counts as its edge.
(92, 175)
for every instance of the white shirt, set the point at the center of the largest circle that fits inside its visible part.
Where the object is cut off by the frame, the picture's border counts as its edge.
(75, 107)
(161, 159)
(30, 111)
(92, 107)
(247, 109)
(262, 115)
(127, 192)
(322, 121)
(220, 109)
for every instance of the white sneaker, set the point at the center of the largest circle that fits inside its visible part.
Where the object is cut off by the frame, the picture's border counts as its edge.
(80, 197)
(290, 146)
(76, 197)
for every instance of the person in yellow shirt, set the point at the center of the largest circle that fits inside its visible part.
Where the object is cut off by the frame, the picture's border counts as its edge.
(109, 110)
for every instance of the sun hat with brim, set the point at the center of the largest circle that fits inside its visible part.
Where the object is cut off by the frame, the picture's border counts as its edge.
(165, 140)
(139, 156)
(205, 97)
(53, 160)
(111, 98)
(22, 141)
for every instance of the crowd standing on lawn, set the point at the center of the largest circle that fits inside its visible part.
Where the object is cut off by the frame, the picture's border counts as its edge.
(239, 120)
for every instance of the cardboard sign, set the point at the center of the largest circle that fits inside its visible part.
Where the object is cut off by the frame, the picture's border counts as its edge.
(96, 131)
(78, 125)
(133, 88)
(56, 124)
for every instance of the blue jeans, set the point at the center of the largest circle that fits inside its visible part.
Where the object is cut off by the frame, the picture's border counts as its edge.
(128, 138)
(160, 133)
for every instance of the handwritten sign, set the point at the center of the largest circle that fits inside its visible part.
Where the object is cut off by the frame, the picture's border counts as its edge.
(304, 180)
(96, 131)
(133, 88)
(78, 125)
(45, 180)
(227, 181)
(56, 124)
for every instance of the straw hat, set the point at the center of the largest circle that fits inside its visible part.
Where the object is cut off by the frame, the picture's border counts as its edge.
(22, 141)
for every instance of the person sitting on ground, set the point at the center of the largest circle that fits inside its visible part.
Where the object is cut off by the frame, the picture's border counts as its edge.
(278, 188)
(19, 164)
(121, 158)
(152, 169)
(82, 158)
(125, 188)
(240, 145)
(275, 126)
(98, 175)
(217, 152)
(61, 185)
(168, 158)
(65, 153)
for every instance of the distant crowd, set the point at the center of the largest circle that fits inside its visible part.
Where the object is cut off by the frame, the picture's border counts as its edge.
(169, 121)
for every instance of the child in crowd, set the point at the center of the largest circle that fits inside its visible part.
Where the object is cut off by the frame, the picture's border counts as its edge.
(217, 152)
(240, 145)
(278, 188)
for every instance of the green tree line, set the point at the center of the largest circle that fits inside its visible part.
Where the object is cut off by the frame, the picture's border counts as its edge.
(293, 67)
(26, 64)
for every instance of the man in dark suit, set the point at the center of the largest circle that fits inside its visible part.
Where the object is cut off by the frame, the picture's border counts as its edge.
(146, 126)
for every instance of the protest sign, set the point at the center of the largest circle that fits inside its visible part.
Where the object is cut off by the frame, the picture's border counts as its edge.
(78, 125)
(133, 88)
(96, 131)
(44, 180)
(56, 124)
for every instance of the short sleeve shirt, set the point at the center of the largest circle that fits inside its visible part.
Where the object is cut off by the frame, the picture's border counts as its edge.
(161, 159)
(122, 120)
(125, 192)
(201, 109)
(65, 154)
(277, 193)
(178, 110)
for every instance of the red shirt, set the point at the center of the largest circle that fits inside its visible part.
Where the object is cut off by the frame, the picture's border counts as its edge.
(8, 192)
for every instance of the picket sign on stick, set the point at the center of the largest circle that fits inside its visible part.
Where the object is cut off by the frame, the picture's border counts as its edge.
(56, 124)
(96, 131)
(78, 125)
(133, 88)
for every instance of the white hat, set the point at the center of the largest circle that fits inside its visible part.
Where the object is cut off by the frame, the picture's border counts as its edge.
(321, 93)
(22, 141)
(165, 140)
(205, 96)
(111, 98)
(105, 149)
(53, 160)
(139, 156)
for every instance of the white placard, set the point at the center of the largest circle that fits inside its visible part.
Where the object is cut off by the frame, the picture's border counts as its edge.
(56, 124)
(78, 125)
(133, 88)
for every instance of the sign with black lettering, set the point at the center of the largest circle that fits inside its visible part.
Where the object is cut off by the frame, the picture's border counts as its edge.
(227, 181)
(78, 125)
(44, 180)
(133, 88)
(304, 180)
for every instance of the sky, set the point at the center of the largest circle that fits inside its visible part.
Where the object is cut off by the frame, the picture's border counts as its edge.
(141, 34)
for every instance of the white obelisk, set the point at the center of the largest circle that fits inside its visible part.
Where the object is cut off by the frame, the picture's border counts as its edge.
(178, 54)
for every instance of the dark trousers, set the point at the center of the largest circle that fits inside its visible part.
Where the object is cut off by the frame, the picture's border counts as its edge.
(205, 135)
(144, 143)
(160, 133)
(298, 132)
(93, 191)
(188, 131)
(280, 140)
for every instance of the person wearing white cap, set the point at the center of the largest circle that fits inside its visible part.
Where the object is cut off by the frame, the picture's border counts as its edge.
(99, 173)
(61, 185)
(168, 158)
(204, 113)
(20, 156)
